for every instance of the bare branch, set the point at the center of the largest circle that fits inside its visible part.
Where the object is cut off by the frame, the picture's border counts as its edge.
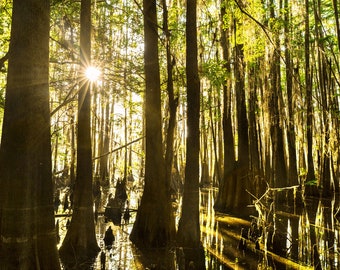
(3, 60)
(118, 148)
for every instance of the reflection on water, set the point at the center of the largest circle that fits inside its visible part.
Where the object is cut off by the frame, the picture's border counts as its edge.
(121, 255)
(277, 236)
(292, 237)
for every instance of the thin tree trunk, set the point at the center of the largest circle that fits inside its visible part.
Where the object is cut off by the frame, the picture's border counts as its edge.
(335, 122)
(292, 167)
(324, 74)
(73, 152)
(205, 173)
(173, 102)
(310, 190)
(214, 141)
(104, 172)
(337, 21)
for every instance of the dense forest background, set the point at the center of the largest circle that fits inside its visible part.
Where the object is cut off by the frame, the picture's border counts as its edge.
(269, 94)
(269, 74)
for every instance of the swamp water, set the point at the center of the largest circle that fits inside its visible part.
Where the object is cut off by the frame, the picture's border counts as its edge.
(290, 238)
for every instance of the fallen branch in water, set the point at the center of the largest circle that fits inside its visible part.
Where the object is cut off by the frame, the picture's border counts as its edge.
(118, 148)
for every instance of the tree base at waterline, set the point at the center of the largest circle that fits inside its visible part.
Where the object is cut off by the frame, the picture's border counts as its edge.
(191, 258)
(83, 258)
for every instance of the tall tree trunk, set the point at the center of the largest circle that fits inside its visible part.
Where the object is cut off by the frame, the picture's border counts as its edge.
(227, 184)
(291, 141)
(188, 234)
(257, 183)
(278, 155)
(310, 190)
(73, 151)
(324, 75)
(216, 175)
(336, 139)
(154, 226)
(104, 171)
(27, 233)
(337, 21)
(80, 242)
(241, 198)
(204, 147)
(173, 102)
(275, 112)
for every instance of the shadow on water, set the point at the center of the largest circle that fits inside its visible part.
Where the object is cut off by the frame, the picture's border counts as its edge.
(84, 265)
(277, 236)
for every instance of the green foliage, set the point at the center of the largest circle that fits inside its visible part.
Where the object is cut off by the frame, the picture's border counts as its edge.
(5, 27)
(5, 24)
(313, 182)
(214, 71)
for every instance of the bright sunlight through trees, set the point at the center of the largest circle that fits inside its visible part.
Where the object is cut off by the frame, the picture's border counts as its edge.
(92, 73)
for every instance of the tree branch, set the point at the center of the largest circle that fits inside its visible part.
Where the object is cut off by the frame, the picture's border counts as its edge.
(3, 60)
(118, 148)
(264, 28)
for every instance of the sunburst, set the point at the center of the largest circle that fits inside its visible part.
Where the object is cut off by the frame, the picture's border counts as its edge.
(92, 73)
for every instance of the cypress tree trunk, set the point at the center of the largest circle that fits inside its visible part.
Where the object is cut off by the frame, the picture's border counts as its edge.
(310, 190)
(188, 234)
(337, 21)
(226, 188)
(241, 198)
(155, 225)
(103, 168)
(73, 151)
(275, 105)
(80, 242)
(173, 102)
(27, 234)
(278, 156)
(324, 87)
(291, 138)
(258, 185)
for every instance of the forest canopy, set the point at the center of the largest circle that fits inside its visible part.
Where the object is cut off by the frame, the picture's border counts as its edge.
(277, 59)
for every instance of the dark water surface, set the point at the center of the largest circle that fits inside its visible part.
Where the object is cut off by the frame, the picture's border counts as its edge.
(288, 237)
(291, 237)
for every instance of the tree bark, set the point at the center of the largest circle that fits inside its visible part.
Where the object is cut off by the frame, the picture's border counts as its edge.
(155, 225)
(28, 237)
(173, 101)
(241, 198)
(188, 234)
(275, 104)
(256, 179)
(80, 243)
(103, 168)
(324, 87)
(337, 21)
(227, 184)
(291, 138)
(310, 190)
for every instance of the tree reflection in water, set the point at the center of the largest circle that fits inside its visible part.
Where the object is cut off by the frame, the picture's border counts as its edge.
(292, 237)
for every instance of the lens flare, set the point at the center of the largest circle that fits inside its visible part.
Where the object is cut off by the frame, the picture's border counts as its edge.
(92, 74)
